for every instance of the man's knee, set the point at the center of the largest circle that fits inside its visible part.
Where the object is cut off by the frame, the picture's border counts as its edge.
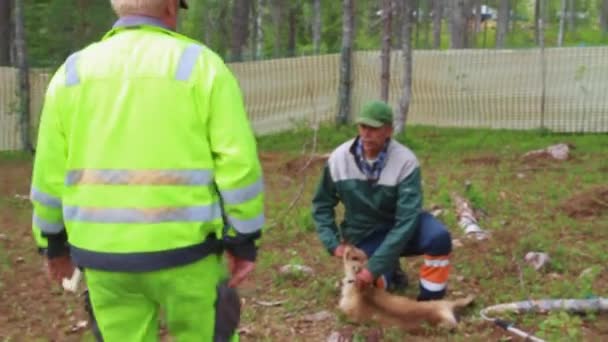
(441, 242)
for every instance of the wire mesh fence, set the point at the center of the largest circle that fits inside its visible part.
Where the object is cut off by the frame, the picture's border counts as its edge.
(9, 117)
(10, 120)
(501, 89)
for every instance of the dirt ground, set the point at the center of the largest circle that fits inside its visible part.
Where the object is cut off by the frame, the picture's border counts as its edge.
(489, 159)
(587, 204)
(30, 307)
(32, 310)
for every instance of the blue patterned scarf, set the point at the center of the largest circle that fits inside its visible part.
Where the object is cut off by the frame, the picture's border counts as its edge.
(372, 172)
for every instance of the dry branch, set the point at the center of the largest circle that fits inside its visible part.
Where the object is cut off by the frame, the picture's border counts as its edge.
(467, 220)
(311, 157)
(557, 152)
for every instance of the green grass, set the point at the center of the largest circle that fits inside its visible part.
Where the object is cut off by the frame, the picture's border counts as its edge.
(519, 204)
(521, 213)
(433, 140)
(8, 156)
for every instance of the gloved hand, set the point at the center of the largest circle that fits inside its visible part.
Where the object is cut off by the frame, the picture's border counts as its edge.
(364, 278)
(239, 269)
(339, 251)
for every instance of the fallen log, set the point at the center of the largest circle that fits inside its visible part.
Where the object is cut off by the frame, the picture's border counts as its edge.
(467, 220)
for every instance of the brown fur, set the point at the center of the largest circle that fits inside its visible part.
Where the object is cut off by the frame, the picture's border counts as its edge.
(392, 310)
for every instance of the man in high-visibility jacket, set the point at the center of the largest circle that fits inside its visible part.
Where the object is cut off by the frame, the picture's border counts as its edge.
(146, 170)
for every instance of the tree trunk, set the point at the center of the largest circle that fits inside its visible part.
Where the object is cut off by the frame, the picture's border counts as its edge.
(427, 24)
(503, 23)
(293, 28)
(437, 20)
(562, 22)
(477, 16)
(82, 25)
(278, 13)
(6, 39)
(208, 28)
(604, 16)
(571, 16)
(541, 22)
(512, 15)
(240, 28)
(385, 54)
(316, 26)
(537, 21)
(543, 61)
(406, 54)
(24, 83)
(348, 33)
(223, 23)
(468, 21)
(417, 23)
(396, 22)
(258, 30)
(458, 24)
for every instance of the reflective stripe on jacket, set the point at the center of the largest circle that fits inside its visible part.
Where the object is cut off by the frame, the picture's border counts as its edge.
(145, 152)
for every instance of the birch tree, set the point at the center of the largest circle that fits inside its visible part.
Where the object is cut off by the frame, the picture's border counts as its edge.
(24, 83)
(278, 14)
(571, 16)
(348, 33)
(604, 16)
(385, 54)
(458, 24)
(537, 21)
(477, 5)
(562, 22)
(503, 23)
(406, 55)
(294, 10)
(240, 28)
(258, 29)
(438, 6)
(316, 26)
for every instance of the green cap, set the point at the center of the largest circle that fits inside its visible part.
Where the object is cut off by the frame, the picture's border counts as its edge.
(375, 114)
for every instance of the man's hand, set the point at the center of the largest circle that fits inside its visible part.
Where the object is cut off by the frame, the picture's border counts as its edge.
(239, 269)
(339, 251)
(59, 267)
(364, 278)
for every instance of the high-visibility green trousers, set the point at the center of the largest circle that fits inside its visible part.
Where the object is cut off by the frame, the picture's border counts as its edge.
(127, 305)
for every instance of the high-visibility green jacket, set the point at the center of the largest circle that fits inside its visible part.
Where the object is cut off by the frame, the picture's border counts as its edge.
(145, 154)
